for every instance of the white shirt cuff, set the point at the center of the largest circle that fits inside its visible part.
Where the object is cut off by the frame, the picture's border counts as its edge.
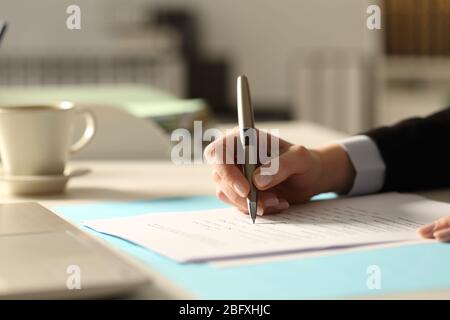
(368, 163)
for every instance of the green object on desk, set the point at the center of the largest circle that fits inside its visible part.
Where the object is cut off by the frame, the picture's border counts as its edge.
(141, 101)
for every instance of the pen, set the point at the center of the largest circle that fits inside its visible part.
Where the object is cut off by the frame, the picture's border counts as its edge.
(246, 122)
(3, 26)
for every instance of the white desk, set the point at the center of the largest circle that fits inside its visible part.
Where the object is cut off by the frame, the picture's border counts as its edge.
(133, 180)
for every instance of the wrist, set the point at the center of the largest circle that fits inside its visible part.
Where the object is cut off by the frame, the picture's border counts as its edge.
(337, 171)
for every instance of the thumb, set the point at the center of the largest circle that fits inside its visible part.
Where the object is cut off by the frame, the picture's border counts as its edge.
(296, 160)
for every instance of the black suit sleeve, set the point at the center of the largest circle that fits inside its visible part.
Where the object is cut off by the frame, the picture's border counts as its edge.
(416, 152)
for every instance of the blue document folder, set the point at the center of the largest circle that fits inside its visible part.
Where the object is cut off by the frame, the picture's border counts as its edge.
(418, 267)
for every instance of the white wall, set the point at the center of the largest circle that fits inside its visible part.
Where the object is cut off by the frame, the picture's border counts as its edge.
(261, 37)
(42, 23)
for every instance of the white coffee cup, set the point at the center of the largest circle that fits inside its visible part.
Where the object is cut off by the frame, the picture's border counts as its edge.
(37, 139)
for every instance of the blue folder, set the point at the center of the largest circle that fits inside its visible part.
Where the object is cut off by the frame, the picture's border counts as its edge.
(419, 267)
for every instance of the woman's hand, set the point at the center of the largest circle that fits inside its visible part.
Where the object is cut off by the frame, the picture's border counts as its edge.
(302, 173)
(440, 230)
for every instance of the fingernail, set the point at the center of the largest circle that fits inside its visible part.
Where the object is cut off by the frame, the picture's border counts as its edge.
(271, 202)
(262, 181)
(259, 211)
(427, 230)
(443, 235)
(240, 189)
(283, 205)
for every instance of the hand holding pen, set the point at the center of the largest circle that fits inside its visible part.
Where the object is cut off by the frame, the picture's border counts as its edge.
(301, 172)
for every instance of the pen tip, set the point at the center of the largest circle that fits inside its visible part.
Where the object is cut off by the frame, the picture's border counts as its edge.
(252, 208)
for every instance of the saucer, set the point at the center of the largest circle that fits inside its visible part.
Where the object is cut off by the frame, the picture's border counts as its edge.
(39, 185)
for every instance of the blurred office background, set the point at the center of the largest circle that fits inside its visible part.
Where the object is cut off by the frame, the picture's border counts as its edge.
(313, 60)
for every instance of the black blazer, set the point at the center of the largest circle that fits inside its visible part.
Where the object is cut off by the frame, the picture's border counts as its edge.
(416, 152)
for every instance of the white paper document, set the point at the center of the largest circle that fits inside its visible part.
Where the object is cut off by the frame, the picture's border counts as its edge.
(226, 233)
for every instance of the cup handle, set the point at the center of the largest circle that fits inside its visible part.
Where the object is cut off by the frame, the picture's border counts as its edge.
(88, 133)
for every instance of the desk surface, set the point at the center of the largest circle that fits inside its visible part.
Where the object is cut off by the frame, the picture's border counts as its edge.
(134, 180)
(119, 181)
(131, 180)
